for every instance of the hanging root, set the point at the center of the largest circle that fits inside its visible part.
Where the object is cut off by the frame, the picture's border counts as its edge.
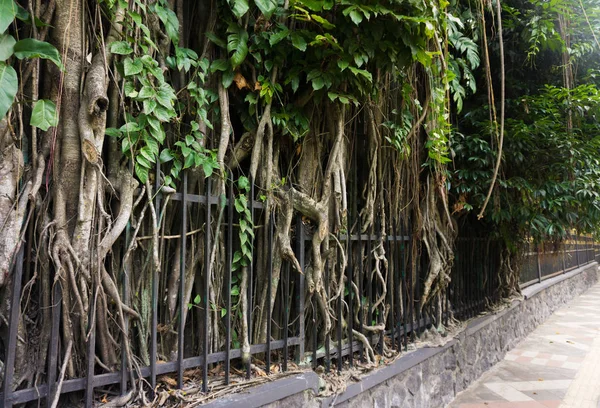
(370, 354)
(437, 238)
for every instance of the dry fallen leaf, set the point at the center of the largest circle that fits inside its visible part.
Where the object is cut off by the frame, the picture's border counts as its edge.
(240, 81)
(164, 396)
(168, 380)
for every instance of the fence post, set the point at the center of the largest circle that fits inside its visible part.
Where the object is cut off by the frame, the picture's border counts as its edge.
(539, 263)
(563, 258)
(300, 256)
(577, 248)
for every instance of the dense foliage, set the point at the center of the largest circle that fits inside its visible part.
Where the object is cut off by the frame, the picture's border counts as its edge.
(355, 116)
(548, 185)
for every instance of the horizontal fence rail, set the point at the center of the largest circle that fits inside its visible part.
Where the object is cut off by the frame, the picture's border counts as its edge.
(176, 335)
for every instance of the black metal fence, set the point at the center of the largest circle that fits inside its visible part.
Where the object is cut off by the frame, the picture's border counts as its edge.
(293, 324)
(548, 259)
(474, 281)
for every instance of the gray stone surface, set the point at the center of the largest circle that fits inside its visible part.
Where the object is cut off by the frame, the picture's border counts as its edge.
(431, 377)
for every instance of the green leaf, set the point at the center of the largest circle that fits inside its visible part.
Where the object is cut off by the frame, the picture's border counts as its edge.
(7, 43)
(44, 115)
(130, 127)
(165, 96)
(208, 168)
(9, 85)
(149, 106)
(227, 78)
(219, 65)
(223, 312)
(318, 83)
(169, 19)
(30, 48)
(142, 173)
(267, 7)
(277, 36)
(132, 67)
(23, 15)
(244, 183)
(166, 156)
(164, 115)
(8, 11)
(112, 132)
(121, 48)
(239, 7)
(343, 64)
(143, 161)
(158, 134)
(237, 43)
(235, 291)
(314, 5)
(356, 17)
(146, 154)
(146, 92)
(298, 41)
(216, 40)
(325, 23)
(189, 161)
(366, 74)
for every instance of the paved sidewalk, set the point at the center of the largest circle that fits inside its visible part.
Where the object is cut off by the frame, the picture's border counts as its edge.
(557, 365)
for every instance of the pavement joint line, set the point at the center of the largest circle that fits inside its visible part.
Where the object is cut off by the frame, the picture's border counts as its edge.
(556, 365)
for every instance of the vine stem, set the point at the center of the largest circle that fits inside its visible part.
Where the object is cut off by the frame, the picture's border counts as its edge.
(502, 95)
(588, 23)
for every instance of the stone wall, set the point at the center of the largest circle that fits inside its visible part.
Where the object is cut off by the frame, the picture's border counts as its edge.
(431, 377)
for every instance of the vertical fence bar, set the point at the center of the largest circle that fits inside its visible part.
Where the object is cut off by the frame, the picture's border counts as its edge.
(207, 273)
(91, 353)
(467, 277)
(390, 290)
(250, 277)
(228, 262)
(154, 328)
(564, 254)
(405, 289)
(417, 301)
(9, 366)
(411, 289)
(454, 277)
(300, 290)
(53, 347)
(286, 314)
(182, 256)
(380, 316)
(339, 314)
(361, 347)
(396, 291)
(125, 332)
(539, 266)
(268, 217)
(577, 249)
(327, 335)
(462, 273)
(368, 273)
(315, 337)
(350, 271)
